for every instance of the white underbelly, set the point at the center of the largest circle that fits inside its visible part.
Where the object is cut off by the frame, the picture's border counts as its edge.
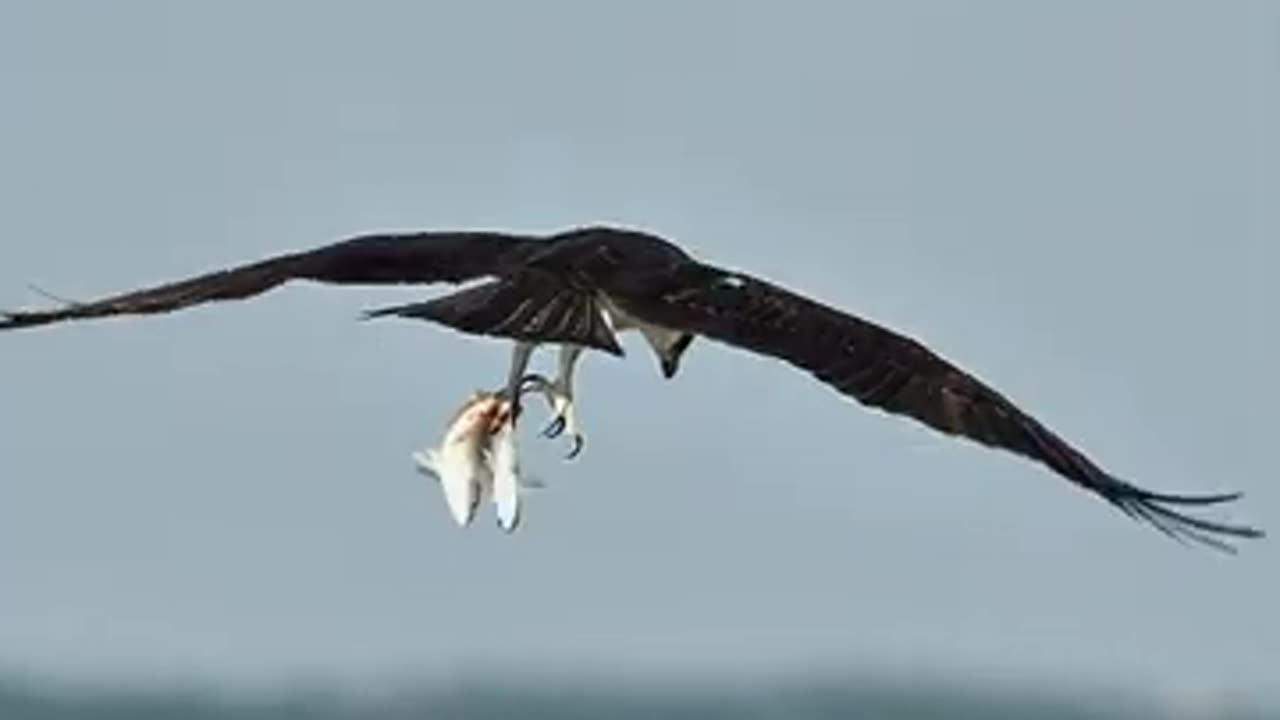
(618, 320)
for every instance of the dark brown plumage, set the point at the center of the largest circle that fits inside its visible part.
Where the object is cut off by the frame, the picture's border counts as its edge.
(560, 288)
(885, 370)
(375, 259)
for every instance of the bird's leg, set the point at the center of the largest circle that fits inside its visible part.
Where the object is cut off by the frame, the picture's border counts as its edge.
(559, 395)
(562, 399)
(520, 356)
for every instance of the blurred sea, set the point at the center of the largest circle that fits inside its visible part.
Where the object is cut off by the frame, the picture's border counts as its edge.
(563, 699)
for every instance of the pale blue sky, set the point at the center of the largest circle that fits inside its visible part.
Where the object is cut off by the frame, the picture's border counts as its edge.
(1076, 201)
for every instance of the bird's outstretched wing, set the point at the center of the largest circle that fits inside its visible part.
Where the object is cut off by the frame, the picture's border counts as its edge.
(885, 370)
(372, 259)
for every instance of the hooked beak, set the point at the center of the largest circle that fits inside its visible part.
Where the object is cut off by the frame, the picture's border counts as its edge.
(669, 367)
(670, 361)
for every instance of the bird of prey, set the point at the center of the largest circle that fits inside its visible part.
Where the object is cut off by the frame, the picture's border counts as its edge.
(581, 287)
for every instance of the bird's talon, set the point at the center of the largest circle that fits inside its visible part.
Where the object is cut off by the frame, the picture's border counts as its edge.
(532, 380)
(554, 428)
(578, 442)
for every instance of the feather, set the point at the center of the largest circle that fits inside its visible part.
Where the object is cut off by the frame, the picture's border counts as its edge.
(890, 372)
(372, 259)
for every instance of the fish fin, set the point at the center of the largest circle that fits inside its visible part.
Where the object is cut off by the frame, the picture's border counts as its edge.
(427, 462)
(532, 482)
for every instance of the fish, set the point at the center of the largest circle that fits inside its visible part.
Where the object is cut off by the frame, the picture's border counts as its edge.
(504, 471)
(477, 459)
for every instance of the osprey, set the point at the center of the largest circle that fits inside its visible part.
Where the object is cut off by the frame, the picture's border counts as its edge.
(580, 288)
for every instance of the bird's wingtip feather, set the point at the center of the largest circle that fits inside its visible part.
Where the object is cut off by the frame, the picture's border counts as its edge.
(1173, 499)
(1151, 507)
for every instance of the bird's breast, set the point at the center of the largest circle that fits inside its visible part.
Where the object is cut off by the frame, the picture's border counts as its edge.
(660, 338)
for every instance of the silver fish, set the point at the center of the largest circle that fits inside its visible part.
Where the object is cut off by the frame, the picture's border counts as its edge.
(477, 459)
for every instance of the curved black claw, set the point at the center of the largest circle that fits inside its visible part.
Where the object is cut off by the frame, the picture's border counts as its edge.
(533, 381)
(578, 442)
(554, 428)
(516, 405)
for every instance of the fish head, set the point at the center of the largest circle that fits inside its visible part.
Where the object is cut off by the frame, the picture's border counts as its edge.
(480, 416)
